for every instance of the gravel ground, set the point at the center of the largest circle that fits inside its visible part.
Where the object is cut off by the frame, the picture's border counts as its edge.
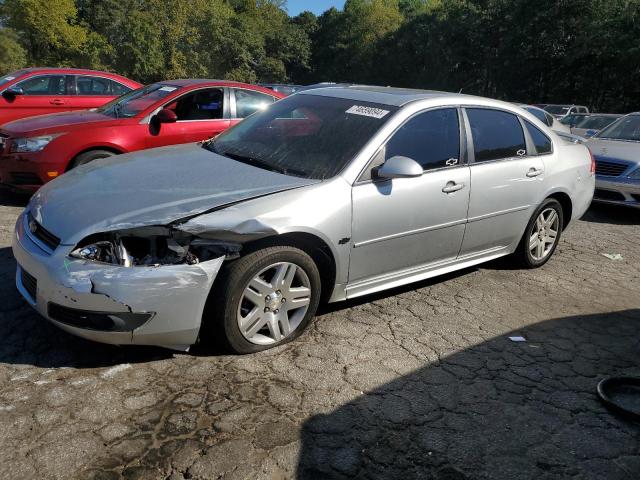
(418, 382)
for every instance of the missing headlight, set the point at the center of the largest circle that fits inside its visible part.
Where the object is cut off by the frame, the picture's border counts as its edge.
(152, 246)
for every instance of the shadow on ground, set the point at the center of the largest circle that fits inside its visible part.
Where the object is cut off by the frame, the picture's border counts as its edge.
(13, 199)
(497, 410)
(612, 214)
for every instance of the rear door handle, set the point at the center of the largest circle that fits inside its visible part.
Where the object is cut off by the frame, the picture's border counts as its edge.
(451, 187)
(57, 102)
(534, 172)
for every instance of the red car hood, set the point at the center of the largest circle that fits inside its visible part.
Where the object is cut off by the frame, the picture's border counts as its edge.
(55, 122)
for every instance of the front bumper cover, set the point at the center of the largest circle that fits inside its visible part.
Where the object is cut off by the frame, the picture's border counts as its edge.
(173, 296)
(618, 191)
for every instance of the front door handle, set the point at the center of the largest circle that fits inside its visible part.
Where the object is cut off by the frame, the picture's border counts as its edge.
(451, 187)
(533, 172)
(57, 102)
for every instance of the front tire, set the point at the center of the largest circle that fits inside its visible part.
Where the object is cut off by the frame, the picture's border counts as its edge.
(90, 156)
(264, 299)
(541, 236)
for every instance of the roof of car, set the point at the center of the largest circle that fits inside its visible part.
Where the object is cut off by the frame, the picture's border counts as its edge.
(383, 95)
(67, 70)
(195, 82)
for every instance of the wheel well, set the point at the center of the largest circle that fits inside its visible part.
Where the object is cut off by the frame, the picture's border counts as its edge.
(567, 207)
(108, 149)
(314, 246)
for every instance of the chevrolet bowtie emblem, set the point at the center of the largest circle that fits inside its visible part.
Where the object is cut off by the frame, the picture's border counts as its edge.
(33, 226)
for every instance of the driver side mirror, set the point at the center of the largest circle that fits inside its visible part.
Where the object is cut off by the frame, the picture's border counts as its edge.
(166, 116)
(399, 167)
(12, 92)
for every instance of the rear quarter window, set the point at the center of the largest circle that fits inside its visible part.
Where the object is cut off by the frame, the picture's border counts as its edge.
(540, 140)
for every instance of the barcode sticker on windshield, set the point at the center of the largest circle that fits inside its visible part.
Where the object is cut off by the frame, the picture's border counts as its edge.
(368, 111)
(8, 79)
(167, 89)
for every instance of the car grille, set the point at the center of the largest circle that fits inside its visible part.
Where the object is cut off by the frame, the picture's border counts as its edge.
(41, 233)
(610, 169)
(25, 178)
(29, 283)
(608, 195)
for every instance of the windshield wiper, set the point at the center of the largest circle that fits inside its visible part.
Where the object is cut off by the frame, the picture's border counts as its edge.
(256, 162)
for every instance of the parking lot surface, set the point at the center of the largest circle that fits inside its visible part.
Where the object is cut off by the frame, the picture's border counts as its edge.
(418, 382)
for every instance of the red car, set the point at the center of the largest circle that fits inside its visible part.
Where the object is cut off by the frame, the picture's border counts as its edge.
(36, 150)
(36, 91)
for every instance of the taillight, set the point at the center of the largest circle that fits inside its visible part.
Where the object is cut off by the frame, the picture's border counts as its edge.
(592, 171)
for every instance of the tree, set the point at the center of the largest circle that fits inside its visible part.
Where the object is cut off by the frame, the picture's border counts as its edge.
(12, 55)
(48, 29)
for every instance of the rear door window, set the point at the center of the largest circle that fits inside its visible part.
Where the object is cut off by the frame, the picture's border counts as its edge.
(249, 102)
(496, 134)
(87, 85)
(44, 85)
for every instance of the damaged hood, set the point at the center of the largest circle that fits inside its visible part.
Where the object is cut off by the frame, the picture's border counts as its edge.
(151, 187)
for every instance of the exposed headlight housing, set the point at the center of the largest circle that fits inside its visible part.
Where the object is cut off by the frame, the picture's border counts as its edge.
(31, 144)
(151, 246)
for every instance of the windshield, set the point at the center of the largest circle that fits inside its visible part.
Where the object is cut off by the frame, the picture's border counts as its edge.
(595, 122)
(557, 109)
(309, 136)
(132, 103)
(9, 77)
(625, 128)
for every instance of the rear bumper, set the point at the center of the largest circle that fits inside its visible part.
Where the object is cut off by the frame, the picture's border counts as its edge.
(617, 191)
(160, 306)
(27, 172)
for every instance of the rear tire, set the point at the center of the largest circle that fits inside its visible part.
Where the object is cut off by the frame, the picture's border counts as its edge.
(90, 156)
(542, 235)
(264, 299)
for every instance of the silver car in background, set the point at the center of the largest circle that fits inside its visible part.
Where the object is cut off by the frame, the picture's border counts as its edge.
(329, 194)
(617, 153)
(549, 120)
(561, 111)
(591, 124)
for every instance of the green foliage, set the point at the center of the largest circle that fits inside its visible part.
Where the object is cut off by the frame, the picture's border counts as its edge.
(12, 55)
(584, 51)
(48, 29)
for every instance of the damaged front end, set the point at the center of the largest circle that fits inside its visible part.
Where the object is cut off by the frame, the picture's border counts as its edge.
(152, 247)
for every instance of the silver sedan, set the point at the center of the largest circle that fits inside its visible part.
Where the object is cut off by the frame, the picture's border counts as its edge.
(617, 154)
(327, 195)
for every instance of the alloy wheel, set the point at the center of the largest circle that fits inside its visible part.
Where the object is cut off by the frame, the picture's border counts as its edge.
(544, 234)
(274, 303)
